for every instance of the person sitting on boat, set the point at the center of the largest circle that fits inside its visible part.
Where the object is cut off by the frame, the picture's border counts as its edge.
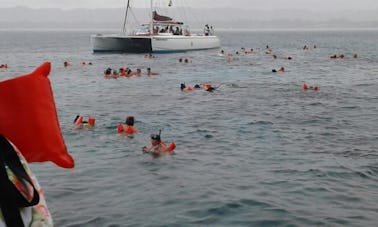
(150, 73)
(156, 29)
(177, 31)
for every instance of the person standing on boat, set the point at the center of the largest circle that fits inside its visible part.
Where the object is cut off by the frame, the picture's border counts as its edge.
(211, 30)
(207, 30)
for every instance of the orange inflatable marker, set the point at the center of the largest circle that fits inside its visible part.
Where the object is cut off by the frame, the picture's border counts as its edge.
(29, 98)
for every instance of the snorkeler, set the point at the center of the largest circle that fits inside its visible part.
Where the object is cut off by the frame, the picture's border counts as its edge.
(156, 147)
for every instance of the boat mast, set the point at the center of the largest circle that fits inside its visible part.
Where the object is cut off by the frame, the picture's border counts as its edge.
(124, 21)
(152, 20)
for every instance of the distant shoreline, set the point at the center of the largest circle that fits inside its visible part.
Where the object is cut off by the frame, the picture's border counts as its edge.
(223, 19)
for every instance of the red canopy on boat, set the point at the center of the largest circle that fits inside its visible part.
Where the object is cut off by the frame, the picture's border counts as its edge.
(158, 17)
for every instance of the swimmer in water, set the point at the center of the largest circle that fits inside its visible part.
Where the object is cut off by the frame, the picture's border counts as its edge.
(157, 147)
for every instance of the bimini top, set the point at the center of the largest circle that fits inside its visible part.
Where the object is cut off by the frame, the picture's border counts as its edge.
(158, 17)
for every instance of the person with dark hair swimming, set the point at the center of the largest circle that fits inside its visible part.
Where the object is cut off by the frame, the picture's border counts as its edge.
(183, 87)
(128, 127)
(150, 73)
(79, 121)
(210, 89)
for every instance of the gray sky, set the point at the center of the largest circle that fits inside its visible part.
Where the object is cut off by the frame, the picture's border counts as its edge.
(316, 5)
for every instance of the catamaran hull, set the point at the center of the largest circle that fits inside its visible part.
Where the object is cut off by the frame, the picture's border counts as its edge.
(125, 44)
(183, 43)
(148, 44)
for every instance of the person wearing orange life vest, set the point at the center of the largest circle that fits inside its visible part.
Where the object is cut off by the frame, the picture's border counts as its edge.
(157, 147)
(79, 121)
(128, 127)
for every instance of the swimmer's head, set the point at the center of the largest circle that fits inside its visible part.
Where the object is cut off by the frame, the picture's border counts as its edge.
(130, 120)
(155, 137)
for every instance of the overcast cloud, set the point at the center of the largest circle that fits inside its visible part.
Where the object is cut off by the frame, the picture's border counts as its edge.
(316, 5)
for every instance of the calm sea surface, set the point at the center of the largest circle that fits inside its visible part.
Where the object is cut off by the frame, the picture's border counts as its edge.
(259, 151)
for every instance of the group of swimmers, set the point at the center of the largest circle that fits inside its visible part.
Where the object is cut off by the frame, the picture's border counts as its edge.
(126, 72)
(184, 60)
(156, 148)
(67, 64)
(207, 87)
(281, 70)
(149, 55)
(340, 56)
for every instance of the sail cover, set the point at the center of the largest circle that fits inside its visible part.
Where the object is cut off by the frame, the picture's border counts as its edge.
(158, 17)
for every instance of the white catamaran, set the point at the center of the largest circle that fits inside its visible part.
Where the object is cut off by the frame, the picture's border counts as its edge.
(161, 34)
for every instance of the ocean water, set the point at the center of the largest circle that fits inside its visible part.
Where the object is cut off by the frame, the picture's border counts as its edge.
(258, 151)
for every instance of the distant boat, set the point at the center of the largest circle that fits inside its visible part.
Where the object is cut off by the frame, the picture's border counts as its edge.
(167, 35)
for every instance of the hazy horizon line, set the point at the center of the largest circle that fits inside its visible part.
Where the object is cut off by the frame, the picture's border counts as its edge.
(210, 8)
